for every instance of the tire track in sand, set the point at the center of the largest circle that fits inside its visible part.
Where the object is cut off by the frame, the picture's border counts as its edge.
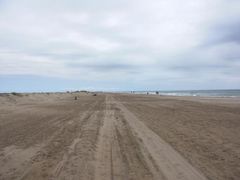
(117, 156)
(165, 159)
(104, 168)
(52, 160)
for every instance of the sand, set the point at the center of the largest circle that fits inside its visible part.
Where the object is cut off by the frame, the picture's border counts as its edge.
(118, 136)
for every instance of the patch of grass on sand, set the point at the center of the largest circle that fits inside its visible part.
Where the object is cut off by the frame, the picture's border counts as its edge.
(16, 94)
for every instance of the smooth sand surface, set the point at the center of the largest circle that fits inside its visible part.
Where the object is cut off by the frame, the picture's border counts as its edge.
(118, 136)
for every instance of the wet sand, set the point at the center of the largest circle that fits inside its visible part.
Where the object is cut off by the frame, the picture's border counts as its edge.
(118, 136)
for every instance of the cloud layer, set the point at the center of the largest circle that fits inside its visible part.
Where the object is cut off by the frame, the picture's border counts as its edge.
(123, 44)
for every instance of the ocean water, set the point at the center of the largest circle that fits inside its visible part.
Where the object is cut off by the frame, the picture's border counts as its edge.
(207, 93)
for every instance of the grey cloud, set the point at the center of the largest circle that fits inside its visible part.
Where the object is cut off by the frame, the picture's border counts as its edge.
(106, 67)
(139, 40)
(224, 33)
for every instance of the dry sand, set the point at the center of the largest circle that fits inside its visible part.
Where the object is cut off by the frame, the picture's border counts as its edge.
(118, 136)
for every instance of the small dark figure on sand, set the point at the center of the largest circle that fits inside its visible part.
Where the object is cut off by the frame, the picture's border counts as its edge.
(75, 98)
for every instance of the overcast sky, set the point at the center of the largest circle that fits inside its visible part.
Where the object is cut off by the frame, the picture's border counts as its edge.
(50, 45)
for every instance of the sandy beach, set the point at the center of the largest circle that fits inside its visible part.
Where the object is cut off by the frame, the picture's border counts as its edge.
(118, 136)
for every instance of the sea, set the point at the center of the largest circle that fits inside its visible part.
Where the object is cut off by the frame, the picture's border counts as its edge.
(205, 93)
